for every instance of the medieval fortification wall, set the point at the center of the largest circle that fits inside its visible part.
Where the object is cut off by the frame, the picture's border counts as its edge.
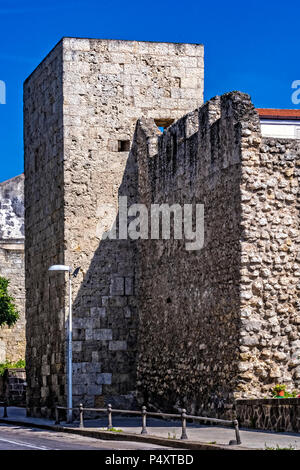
(222, 322)
(12, 340)
(81, 106)
(154, 322)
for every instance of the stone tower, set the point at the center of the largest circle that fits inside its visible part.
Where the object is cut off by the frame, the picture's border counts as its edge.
(81, 105)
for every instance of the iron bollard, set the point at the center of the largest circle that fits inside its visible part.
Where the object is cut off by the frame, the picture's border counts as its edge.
(5, 409)
(81, 423)
(183, 419)
(109, 412)
(57, 416)
(237, 431)
(144, 416)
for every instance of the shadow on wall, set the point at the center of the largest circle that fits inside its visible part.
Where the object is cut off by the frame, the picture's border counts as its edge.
(105, 322)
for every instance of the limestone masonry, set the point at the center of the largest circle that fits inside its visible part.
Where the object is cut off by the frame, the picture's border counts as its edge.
(81, 106)
(12, 340)
(155, 324)
(223, 322)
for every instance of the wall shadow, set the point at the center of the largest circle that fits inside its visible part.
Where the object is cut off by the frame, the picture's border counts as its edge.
(105, 324)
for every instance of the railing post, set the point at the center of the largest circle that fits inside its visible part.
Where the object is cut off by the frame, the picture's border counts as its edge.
(109, 412)
(56, 415)
(5, 409)
(237, 431)
(81, 423)
(144, 417)
(183, 420)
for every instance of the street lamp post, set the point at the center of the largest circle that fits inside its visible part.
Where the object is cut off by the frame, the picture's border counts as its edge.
(61, 268)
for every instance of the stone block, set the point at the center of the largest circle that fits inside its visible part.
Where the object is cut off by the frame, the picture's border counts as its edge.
(79, 389)
(98, 312)
(104, 379)
(77, 346)
(117, 346)
(117, 286)
(102, 334)
(129, 286)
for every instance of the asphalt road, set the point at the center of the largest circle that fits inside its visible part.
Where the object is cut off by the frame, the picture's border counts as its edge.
(20, 438)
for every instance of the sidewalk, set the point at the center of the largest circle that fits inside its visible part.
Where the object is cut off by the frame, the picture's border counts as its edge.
(163, 432)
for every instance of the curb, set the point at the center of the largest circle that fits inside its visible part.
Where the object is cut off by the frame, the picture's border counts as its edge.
(115, 436)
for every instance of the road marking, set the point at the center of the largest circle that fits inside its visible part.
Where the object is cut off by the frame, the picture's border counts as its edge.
(25, 444)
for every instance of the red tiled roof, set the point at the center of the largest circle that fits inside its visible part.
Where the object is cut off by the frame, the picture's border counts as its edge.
(288, 114)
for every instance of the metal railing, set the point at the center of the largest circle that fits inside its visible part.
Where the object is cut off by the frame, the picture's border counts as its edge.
(144, 413)
(4, 404)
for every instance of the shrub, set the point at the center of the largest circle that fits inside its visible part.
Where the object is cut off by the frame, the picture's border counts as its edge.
(8, 312)
(282, 387)
(11, 365)
(278, 388)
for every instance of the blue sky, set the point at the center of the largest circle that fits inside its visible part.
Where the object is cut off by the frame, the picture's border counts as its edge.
(250, 46)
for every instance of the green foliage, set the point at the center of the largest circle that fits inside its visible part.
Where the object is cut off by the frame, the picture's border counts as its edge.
(290, 395)
(280, 448)
(20, 364)
(172, 436)
(8, 312)
(280, 387)
(115, 430)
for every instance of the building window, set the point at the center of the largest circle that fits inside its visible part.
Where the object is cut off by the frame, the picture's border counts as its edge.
(123, 145)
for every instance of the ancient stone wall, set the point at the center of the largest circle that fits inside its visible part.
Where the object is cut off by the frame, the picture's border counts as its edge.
(12, 340)
(81, 107)
(270, 309)
(197, 328)
(221, 322)
(189, 300)
(273, 414)
(13, 389)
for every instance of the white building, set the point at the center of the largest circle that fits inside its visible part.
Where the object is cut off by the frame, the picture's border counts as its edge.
(284, 123)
